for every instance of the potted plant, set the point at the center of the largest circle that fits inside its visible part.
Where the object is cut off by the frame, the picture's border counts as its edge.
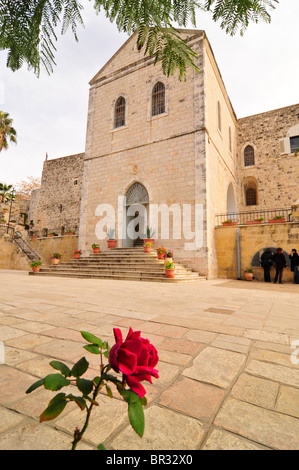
(95, 247)
(52, 234)
(229, 222)
(277, 219)
(69, 232)
(77, 254)
(56, 258)
(169, 257)
(36, 266)
(161, 252)
(111, 242)
(248, 274)
(149, 236)
(255, 221)
(147, 247)
(31, 224)
(169, 270)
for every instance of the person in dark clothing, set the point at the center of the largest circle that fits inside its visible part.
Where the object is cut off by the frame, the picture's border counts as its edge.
(266, 263)
(294, 257)
(280, 262)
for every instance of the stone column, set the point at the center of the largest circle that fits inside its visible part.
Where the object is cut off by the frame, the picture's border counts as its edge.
(295, 212)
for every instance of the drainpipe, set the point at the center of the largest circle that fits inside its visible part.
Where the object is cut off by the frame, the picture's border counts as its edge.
(239, 256)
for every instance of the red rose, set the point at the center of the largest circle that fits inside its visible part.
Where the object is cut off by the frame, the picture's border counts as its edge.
(135, 357)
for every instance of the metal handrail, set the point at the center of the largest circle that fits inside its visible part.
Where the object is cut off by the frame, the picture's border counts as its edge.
(242, 217)
(30, 252)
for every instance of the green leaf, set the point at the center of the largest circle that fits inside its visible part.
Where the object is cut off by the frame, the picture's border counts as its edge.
(62, 367)
(34, 386)
(92, 348)
(109, 391)
(55, 382)
(80, 367)
(101, 447)
(91, 338)
(85, 386)
(136, 416)
(53, 410)
(78, 400)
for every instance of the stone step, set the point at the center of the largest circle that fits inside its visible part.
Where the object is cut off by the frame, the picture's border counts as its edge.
(136, 272)
(125, 277)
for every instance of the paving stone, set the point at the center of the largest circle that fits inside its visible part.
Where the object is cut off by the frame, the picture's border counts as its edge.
(28, 341)
(172, 331)
(288, 401)
(167, 373)
(13, 384)
(14, 356)
(223, 440)
(192, 398)
(164, 429)
(105, 419)
(232, 343)
(59, 349)
(32, 326)
(216, 366)
(272, 429)
(31, 436)
(65, 333)
(38, 366)
(173, 357)
(9, 419)
(256, 390)
(280, 338)
(271, 356)
(7, 333)
(285, 375)
(180, 345)
(199, 336)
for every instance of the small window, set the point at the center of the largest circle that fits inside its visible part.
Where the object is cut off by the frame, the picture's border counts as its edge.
(251, 197)
(120, 112)
(294, 141)
(75, 181)
(219, 115)
(249, 156)
(158, 99)
(230, 139)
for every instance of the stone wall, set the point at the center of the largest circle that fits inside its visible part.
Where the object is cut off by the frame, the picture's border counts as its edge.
(252, 239)
(11, 257)
(276, 170)
(56, 204)
(47, 246)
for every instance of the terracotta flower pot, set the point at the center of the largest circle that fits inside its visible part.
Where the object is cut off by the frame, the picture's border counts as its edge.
(253, 222)
(148, 240)
(160, 255)
(55, 261)
(228, 224)
(147, 249)
(77, 255)
(96, 250)
(276, 221)
(70, 233)
(248, 276)
(169, 273)
(111, 243)
(36, 269)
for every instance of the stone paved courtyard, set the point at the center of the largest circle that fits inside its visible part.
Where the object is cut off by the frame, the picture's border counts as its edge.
(226, 376)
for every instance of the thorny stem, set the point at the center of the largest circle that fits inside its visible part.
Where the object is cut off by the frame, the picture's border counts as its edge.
(77, 433)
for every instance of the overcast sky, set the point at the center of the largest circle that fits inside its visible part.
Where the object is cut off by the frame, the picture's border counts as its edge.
(260, 71)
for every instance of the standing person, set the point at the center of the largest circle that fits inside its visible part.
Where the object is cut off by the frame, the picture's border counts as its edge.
(294, 257)
(266, 263)
(280, 262)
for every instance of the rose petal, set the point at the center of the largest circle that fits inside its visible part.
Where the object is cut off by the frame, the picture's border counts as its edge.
(127, 361)
(135, 385)
(118, 335)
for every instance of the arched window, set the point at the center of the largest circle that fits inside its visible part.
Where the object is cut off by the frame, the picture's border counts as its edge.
(158, 99)
(120, 112)
(230, 147)
(249, 156)
(251, 197)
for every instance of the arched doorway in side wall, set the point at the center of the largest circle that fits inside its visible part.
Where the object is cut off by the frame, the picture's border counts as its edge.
(231, 206)
(137, 207)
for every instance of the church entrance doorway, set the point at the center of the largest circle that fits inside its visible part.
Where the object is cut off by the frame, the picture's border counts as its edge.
(137, 208)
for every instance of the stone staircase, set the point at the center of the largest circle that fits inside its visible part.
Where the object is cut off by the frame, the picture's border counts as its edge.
(120, 263)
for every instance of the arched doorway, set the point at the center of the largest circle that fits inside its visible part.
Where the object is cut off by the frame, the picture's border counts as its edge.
(137, 206)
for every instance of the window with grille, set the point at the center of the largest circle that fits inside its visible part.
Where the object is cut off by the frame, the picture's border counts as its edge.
(120, 112)
(294, 144)
(158, 99)
(249, 156)
(251, 197)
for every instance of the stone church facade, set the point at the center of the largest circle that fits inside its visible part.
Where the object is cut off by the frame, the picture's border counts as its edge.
(176, 147)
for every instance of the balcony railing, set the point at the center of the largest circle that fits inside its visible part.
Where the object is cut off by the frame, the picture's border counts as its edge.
(263, 215)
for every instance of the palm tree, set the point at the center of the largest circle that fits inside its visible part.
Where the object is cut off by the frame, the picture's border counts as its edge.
(5, 192)
(6, 131)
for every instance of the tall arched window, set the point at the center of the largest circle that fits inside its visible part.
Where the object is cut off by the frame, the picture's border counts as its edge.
(120, 112)
(219, 115)
(249, 156)
(158, 99)
(251, 197)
